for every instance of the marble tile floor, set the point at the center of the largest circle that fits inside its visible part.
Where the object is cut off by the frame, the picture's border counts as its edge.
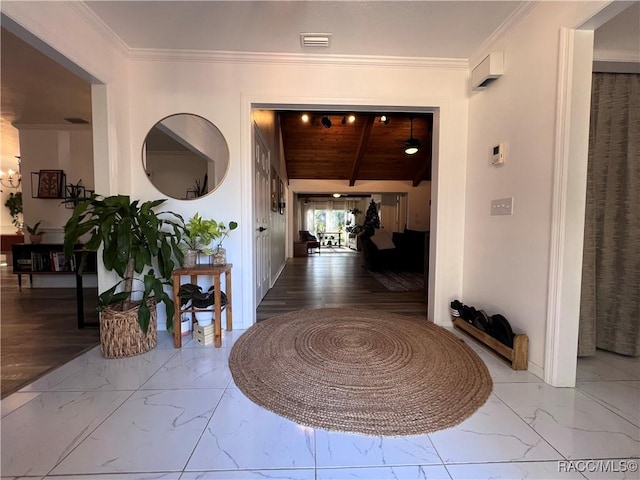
(176, 415)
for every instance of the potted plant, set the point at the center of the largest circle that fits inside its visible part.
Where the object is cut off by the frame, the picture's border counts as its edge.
(35, 234)
(14, 204)
(197, 238)
(134, 239)
(192, 295)
(73, 193)
(199, 234)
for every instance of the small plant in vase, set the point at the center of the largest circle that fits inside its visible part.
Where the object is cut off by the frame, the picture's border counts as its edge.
(198, 235)
(220, 254)
(35, 234)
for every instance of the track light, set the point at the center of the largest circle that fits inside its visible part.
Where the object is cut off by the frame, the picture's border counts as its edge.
(352, 118)
(326, 122)
(305, 117)
(384, 119)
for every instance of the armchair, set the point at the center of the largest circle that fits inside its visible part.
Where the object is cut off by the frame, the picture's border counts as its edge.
(312, 241)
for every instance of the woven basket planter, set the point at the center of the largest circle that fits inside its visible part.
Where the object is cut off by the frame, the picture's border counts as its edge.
(120, 333)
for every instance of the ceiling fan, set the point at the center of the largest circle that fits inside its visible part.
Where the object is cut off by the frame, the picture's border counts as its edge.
(411, 145)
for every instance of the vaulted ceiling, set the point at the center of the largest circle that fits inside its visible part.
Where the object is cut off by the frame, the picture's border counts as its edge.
(329, 146)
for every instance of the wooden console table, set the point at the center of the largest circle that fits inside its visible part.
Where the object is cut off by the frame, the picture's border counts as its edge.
(194, 273)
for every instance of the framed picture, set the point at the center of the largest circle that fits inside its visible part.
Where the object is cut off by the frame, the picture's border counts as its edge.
(281, 198)
(274, 190)
(50, 184)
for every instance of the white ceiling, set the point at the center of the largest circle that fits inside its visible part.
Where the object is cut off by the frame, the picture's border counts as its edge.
(35, 89)
(449, 29)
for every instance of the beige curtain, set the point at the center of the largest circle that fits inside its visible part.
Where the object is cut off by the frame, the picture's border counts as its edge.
(610, 302)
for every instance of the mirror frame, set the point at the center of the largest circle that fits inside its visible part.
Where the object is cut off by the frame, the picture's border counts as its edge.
(187, 137)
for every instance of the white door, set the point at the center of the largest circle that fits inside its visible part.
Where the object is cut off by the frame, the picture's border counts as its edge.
(262, 213)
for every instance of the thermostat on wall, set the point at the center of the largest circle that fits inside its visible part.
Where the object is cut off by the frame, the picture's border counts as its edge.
(498, 154)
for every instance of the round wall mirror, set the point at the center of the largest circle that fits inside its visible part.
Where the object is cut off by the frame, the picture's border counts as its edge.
(185, 156)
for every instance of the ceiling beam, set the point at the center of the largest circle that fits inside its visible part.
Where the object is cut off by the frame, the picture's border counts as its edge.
(364, 139)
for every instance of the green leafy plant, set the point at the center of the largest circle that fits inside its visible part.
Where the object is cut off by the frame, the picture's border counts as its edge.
(190, 292)
(14, 204)
(202, 188)
(135, 238)
(355, 229)
(224, 231)
(73, 193)
(200, 233)
(35, 230)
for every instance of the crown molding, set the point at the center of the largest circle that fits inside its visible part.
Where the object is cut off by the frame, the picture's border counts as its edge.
(52, 126)
(213, 56)
(520, 12)
(601, 55)
(95, 22)
(204, 56)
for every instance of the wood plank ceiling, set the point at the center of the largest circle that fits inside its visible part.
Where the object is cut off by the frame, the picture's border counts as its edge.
(366, 149)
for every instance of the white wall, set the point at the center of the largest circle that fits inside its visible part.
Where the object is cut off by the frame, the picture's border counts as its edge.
(225, 92)
(506, 258)
(53, 148)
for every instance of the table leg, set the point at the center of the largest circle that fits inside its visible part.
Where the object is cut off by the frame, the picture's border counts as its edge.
(177, 330)
(217, 330)
(229, 314)
(79, 300)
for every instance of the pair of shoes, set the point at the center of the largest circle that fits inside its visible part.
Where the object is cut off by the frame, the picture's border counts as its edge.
(481, 321)
(500, 329)
(455, 307)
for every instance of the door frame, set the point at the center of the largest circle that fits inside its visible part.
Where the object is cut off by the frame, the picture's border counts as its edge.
(573, 108)
(441, 263)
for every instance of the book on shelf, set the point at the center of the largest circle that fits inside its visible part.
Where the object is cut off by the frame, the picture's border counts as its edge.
(41, 262)
(23, 264)
(61, 263)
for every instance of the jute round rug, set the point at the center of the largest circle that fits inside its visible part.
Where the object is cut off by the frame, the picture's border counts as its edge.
(360, 371)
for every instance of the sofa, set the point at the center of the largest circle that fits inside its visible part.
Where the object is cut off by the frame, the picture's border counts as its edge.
(398, 251)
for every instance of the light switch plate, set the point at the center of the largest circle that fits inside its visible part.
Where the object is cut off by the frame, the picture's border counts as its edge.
(502, 206)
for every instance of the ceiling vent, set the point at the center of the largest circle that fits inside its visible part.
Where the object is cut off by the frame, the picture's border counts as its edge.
(315, 39)
(489, 69)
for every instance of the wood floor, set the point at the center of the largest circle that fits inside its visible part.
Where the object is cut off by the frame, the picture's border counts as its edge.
(335, 280)
(38, 326)
(38, 330)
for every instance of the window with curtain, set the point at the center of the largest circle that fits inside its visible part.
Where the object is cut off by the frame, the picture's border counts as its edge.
(324, 216)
